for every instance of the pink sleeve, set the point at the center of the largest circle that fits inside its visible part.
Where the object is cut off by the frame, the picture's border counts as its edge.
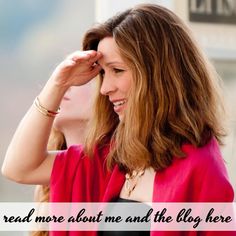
(201, 177)
(213, 182)
(64, 169)
(215, 187)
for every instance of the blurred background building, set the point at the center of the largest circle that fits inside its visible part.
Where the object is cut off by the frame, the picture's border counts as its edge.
(36, 35)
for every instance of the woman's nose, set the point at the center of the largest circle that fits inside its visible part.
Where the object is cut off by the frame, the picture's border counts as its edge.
(108, 85)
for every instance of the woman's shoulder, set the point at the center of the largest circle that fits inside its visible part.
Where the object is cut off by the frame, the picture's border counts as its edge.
(205, 156)
(66, 162)
(198, 160)
(72, 154)
(205, 161)
(208, 169)
(72, 169)
(200, 176)
(75, 155)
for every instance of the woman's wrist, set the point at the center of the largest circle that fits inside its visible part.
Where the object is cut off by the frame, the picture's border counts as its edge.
(51, 95)
(43, 110)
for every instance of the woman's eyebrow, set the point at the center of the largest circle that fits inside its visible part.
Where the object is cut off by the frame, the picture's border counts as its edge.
(111, 63)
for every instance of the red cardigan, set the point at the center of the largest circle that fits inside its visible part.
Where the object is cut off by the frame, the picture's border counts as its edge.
(200, 177)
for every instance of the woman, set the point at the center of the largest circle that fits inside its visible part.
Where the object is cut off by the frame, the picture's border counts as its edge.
(156, 125)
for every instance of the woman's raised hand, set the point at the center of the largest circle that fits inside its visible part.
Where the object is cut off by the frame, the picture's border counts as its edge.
(77, 69)
(30, 143)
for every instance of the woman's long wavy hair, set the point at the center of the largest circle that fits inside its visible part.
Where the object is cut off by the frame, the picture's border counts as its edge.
(56, 142)
(175, 97)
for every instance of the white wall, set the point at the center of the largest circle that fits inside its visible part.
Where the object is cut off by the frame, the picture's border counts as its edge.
(108, 8)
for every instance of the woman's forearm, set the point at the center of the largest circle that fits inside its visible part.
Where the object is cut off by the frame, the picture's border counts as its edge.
(28, 148)
(26, 158)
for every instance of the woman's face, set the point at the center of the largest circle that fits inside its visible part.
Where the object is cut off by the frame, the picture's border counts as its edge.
(117, 76)
(76, 105)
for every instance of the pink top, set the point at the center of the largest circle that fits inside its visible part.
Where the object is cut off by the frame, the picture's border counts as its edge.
(200, 177)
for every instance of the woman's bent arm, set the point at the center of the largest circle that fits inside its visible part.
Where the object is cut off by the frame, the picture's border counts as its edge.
(27, 159)
(24, 161)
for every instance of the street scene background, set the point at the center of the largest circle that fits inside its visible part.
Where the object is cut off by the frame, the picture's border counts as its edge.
(36, 35)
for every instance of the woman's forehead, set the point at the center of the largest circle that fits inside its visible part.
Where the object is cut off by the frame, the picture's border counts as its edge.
(110, 52)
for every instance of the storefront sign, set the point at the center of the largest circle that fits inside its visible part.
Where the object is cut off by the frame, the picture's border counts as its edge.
(212, 11)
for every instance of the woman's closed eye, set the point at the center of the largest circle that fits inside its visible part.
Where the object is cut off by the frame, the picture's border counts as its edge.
(116, 70)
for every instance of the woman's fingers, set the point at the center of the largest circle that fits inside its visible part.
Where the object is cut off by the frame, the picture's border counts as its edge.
(93, 59)
(78, 57)
(83, 55)
(96, 70)
(78, 68)
(65, 65)
(93, 73)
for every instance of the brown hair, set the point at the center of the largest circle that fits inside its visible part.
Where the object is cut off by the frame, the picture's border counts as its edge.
(175, 98)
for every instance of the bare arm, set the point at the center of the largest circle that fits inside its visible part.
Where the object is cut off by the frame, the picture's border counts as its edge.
(27, 159)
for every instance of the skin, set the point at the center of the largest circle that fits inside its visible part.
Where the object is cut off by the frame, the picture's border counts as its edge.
(117, 76)
(117, 81)
(75, 112)
(77, 69)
